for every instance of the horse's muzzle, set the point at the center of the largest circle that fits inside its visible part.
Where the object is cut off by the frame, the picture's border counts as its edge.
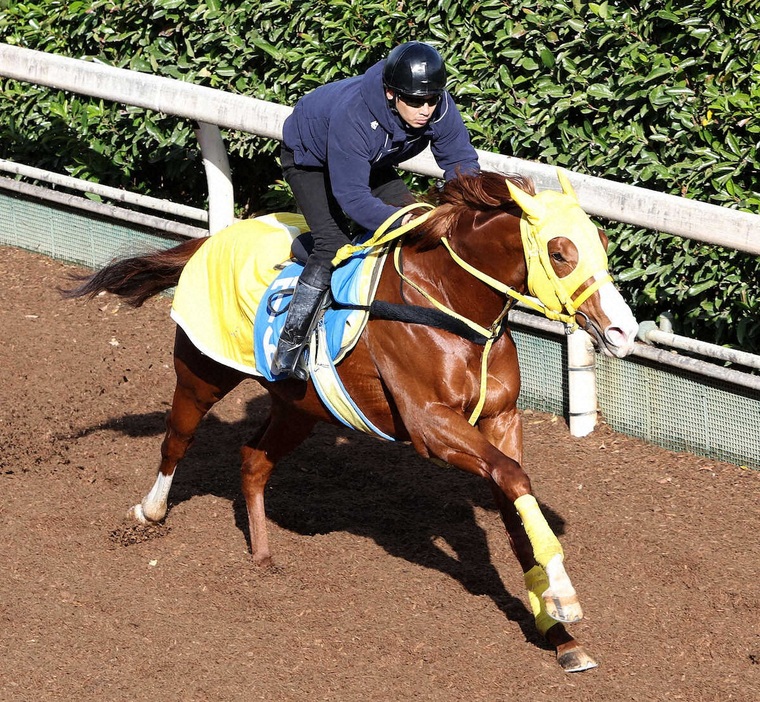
(616, 341)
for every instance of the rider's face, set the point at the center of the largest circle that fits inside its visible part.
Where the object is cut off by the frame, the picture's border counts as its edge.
(415, 111)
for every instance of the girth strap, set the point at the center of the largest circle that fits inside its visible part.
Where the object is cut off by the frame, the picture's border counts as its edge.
(430, 317)
(491, 334)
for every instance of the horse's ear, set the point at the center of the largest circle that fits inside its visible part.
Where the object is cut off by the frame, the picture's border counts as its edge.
(527, 202)
(567, 187)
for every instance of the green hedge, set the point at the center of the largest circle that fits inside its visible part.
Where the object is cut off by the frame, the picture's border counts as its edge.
(662, 94)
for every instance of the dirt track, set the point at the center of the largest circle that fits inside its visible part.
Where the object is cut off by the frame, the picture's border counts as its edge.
(394, 580)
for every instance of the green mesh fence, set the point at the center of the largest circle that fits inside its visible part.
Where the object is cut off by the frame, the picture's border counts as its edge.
(680, 411)
(543, 367)
(661, 405)
(69, 235)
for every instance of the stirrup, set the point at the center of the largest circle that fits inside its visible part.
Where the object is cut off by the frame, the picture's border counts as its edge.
(290, 356)
(294, 365)
(288, 359)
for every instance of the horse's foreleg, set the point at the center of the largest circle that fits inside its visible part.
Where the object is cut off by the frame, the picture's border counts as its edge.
(506, 434)
(282, 433)
(560, 597)
(508, 477)
(571, 655)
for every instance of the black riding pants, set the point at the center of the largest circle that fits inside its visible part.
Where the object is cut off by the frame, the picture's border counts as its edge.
(329, 225)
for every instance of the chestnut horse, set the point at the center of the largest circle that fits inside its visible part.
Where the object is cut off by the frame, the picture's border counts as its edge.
(489, 241)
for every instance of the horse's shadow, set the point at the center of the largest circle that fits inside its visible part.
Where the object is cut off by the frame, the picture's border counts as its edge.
(412, 508)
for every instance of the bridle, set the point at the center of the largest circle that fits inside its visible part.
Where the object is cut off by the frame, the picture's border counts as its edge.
(556, 298)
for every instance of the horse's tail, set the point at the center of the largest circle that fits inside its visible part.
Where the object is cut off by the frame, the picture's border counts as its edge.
(137, 278)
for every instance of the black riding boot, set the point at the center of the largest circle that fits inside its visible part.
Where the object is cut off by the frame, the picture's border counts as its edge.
(301, 312)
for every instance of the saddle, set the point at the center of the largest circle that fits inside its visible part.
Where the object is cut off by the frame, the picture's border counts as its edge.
(233, 293)
(344, 313)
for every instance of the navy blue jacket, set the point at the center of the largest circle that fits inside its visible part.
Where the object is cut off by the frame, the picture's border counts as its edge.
(348, 128)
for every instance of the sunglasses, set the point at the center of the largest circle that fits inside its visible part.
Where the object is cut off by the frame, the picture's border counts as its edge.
(416, 102)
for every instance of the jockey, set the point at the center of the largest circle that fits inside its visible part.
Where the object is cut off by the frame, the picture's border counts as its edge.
(340, 147)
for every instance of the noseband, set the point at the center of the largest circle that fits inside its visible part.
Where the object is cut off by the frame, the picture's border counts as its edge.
(590, 327)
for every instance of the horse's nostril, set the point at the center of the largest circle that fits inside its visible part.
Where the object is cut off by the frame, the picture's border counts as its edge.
(620, 341)
(616, 335)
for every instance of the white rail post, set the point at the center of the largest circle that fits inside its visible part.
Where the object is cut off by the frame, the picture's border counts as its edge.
(221, 199)
(581, 383)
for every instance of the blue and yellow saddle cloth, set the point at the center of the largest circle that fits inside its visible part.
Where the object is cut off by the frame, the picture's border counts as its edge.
(233, 293)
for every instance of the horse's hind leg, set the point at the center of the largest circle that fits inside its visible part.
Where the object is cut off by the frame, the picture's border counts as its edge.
(283, 432)
(181, 424)
(201, 383)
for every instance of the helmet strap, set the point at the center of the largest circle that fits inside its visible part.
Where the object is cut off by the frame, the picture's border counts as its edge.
(392, 103)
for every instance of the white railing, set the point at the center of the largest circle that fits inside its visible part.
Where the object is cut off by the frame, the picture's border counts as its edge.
(616, 201)
(106, 191)
(214, 109)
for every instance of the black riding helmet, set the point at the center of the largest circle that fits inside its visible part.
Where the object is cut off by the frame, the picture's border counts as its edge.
(415, 69)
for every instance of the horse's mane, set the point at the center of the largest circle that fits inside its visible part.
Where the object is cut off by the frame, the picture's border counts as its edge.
(483, 192)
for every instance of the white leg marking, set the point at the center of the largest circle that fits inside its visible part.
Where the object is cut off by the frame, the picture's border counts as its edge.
(153, 506)
(559, 580)
(560, 598)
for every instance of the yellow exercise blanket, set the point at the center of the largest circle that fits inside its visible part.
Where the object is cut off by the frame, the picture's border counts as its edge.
(223, 283)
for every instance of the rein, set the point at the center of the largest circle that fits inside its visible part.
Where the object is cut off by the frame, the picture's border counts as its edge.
(491, 333)
(528, 300)
(532, 302)
(535, 254)
(488, 335)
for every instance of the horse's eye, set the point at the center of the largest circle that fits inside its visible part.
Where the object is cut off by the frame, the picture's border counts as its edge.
(557, 256)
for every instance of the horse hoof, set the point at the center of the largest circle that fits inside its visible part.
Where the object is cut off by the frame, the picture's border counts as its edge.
(576, 660)
(263, 561)
(138, 514)
(563, 608)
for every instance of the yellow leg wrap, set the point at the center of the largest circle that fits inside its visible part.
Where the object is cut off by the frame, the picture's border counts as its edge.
(542, 538)
(537, 583)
